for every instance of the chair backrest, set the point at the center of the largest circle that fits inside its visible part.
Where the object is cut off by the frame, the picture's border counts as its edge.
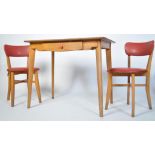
(16, 51)
(139, 49)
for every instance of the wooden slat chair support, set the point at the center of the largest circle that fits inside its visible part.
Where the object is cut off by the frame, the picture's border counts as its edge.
(132, 49)
(18, 51)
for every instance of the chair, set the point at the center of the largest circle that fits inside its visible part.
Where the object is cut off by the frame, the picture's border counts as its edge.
(18, 51)
(132, 49)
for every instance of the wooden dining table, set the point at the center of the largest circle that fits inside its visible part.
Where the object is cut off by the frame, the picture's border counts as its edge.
(72, 44)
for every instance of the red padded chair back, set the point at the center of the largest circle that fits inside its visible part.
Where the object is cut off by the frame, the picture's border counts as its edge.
(16, 51)
(139, 49)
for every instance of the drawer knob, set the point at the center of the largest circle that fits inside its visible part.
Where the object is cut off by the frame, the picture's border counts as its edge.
(62, 47)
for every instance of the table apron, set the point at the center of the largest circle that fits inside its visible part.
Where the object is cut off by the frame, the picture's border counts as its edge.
(69, 46)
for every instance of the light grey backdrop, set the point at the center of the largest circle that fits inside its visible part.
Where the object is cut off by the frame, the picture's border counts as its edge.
(75, 83)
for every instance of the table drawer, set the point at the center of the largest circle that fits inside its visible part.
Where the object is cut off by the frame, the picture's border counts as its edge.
(64, 46)
(69, 46)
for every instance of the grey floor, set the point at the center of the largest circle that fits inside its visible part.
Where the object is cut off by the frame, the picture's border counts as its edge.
(74, 105)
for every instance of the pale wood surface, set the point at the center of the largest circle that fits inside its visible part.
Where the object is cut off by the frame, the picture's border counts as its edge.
(109, 65)
(30, 75)
(71, 40)
(109, 89)
(12, 89)
(99, 77)
(128, 89)
(53, 63)
(9, 86)
(37, 86)
(147, 88)
(60, 45)
(133, 95)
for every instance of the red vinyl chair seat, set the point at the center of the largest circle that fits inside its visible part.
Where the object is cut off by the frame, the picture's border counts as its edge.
(21, 69)
(127, 70)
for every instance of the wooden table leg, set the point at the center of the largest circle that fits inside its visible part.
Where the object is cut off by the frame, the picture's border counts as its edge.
(109, 66)
(53, 63)
(30, 75)
(99, 77)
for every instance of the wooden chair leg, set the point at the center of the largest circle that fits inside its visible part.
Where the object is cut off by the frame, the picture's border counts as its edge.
(133, 95)
(128, 91)
(27, 79)
(9, 86)
(109, 86)
(147, 88)
(37, 86)
(111, 94)
(53, 63)
(12, 89)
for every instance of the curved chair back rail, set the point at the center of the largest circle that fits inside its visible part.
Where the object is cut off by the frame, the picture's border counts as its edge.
(139, 49)
(16, 51)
